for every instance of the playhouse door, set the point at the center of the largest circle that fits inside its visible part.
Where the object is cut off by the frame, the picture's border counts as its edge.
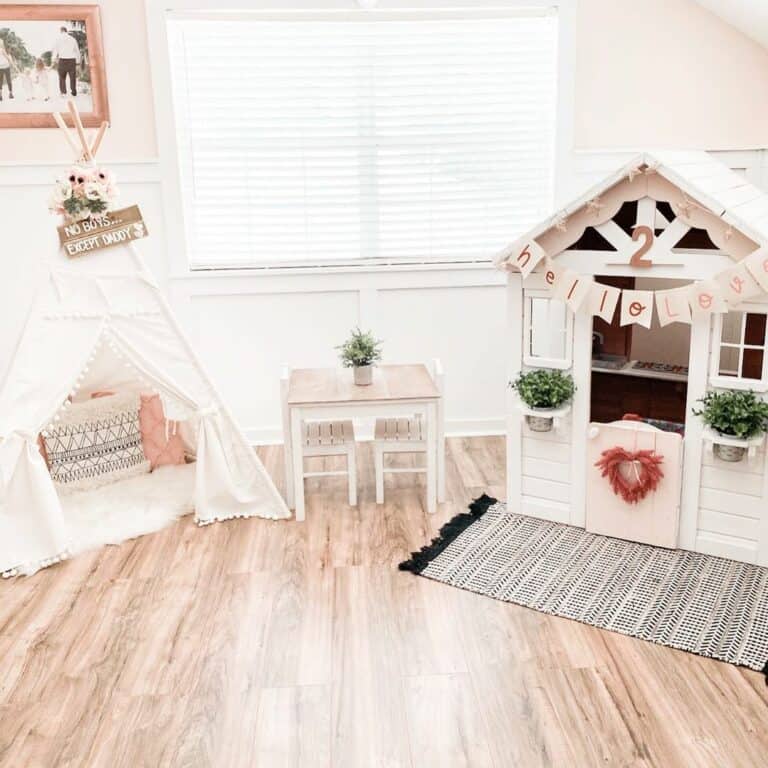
(655, 518)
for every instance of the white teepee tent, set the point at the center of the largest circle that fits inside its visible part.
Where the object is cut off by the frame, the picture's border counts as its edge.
(100, 322)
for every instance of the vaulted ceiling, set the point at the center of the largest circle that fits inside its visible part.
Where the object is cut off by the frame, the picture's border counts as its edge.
(749, 16)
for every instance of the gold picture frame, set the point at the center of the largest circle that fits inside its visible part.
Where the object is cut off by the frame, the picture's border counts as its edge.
(31, 81)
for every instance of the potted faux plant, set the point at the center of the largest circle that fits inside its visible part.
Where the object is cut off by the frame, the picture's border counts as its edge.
(733, 413)
(360, 352)
(543, 391)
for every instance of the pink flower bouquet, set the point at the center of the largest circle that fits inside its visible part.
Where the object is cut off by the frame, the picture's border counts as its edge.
(84, 193)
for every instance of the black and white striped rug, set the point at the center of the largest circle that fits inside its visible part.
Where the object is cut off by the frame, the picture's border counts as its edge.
(697, 603)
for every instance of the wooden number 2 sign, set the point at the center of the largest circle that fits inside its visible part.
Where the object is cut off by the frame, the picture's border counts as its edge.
(637, 259)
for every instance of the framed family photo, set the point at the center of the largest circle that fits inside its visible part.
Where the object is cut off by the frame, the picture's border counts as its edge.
(48, 55)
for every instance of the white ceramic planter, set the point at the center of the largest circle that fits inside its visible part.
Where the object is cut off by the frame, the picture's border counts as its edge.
(540, 423)
(363, 375)
(730, 452)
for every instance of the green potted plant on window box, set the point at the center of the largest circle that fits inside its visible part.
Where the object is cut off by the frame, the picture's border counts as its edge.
(545, 392)
(737, 417)
(361, 351)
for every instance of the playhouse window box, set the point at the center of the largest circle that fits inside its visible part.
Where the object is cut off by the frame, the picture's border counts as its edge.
(544, 419)
(730, 448)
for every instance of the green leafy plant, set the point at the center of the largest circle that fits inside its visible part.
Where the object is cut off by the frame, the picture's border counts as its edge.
(736, 413)
(544, 388)
(360, 349)
(21, 58)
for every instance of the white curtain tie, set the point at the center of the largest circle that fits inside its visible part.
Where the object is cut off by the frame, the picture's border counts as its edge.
(209, 410)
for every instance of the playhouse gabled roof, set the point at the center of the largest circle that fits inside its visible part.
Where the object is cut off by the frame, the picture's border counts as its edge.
(701, 177)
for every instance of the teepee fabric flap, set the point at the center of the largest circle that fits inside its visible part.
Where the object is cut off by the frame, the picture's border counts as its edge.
(49, 360)
(230, 482)
(158, 358)
(32, 532)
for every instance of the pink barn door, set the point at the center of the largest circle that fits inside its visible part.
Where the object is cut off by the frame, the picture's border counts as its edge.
(654, 519)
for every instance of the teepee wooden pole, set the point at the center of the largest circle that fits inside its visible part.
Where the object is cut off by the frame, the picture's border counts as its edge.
(67, 134)
(80, 130)
(97, 139)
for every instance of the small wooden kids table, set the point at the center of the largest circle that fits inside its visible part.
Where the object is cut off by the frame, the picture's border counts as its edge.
(329, 393)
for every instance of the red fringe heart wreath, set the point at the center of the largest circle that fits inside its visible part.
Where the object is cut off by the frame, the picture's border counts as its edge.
(647, 470)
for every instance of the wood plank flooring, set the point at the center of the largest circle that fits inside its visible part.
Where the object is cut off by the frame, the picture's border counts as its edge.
(271, 644)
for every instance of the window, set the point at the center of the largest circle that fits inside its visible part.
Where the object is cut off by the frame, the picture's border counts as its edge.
(548, 331)
(739, 359)
(336, 139)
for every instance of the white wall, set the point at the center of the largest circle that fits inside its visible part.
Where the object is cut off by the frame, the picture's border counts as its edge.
(666, 73)
(247, 327)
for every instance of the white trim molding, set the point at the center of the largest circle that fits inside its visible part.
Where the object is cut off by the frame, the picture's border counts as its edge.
(126, 172)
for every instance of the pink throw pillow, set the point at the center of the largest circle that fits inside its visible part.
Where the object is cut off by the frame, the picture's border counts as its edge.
(158, 449)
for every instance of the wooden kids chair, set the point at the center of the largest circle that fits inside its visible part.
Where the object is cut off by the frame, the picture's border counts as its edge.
(321, 438)
(409, 435)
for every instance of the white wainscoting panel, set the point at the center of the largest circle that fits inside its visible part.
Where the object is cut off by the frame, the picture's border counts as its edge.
(464, 327)
(246, 339)
(247, 325)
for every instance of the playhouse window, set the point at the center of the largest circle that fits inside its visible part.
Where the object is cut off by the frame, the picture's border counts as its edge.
(740, 359)
(548, 329)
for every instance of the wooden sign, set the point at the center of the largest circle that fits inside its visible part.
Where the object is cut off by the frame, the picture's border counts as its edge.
(112, 228)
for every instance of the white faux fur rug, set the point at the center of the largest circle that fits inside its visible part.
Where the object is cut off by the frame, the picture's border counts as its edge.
(128, 508)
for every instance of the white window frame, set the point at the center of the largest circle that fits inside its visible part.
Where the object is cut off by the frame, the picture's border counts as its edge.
(737, 382)
(157, 13)
(534, 361)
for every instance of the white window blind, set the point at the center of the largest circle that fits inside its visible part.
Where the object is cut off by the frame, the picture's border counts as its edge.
(320, 141)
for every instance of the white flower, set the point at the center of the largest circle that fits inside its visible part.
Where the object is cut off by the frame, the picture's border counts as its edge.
(62, 191)
(94, 191)
(103, 176)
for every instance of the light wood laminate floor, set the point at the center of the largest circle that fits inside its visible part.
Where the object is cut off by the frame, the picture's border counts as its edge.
(271, 644)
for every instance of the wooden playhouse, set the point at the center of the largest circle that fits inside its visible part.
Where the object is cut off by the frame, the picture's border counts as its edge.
(650, 289)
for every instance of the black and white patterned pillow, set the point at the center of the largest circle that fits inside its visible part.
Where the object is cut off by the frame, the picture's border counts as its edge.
(96, 442)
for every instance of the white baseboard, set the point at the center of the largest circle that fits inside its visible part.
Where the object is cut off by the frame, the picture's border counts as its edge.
(453, 428)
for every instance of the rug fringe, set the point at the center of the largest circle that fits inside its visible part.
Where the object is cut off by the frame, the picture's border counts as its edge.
(448, 533)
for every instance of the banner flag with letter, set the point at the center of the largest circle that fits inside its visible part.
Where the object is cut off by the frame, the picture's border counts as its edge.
(672, 306)
(603, 300)
(706, 298)
(637, 307)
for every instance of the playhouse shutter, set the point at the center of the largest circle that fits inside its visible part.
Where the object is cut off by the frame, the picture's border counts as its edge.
(328, 141)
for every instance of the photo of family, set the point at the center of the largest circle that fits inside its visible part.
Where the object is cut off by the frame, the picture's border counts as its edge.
(45, 62)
